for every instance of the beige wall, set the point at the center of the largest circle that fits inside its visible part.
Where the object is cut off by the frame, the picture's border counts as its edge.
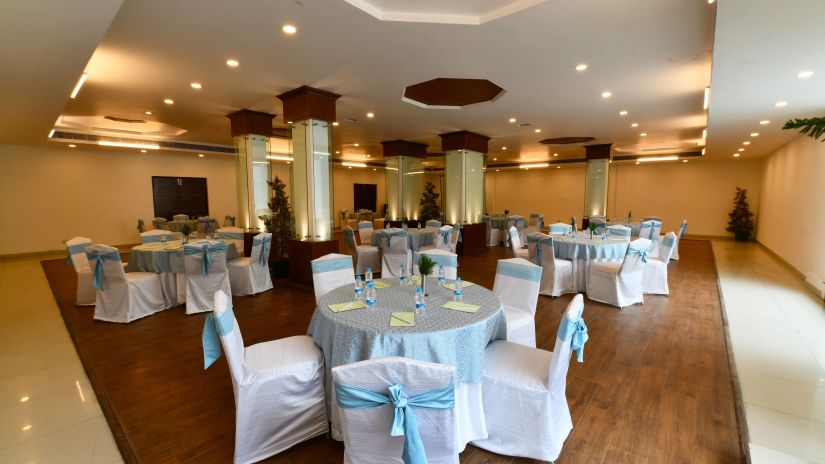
(791, 219)
(50, 194)
(701, 192)
(343, 196)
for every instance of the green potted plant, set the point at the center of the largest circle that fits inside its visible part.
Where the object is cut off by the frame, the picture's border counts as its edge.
(429, 203)
(185, 231)
(740, 219)
(281, 224)
(425, 268)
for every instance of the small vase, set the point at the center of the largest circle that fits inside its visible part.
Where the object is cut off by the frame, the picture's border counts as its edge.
(424, 285)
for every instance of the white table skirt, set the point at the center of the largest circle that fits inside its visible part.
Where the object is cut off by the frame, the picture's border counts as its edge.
(582, 251)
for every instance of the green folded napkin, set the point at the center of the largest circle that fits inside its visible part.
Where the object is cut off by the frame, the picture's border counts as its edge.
(464, 284)
(380, 284)
(337, 308)
(459, 306)
(402, 319)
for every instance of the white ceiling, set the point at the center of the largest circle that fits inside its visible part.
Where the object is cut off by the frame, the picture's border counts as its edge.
(655, 58)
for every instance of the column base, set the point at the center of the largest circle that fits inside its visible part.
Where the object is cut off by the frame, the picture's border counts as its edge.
(473, 239)
(300, 255)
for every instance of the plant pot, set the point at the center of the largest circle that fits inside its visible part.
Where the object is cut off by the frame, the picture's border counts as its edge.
(424, 285)
(742, 235)
(280, 268)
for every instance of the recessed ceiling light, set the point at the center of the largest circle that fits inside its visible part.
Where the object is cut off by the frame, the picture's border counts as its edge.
(232, 63)
(495, 159)
(370, 115)
(26, 427)
(741, 149)
(703, 152)
(558, 167)
(754, 134)
(503, 148)
(24, 399)
(349, 167)
(78, 85)
(335, 123)
(368, 156)
(200, 155)
(289, 29)
(637, 162)
(805, 74)
(289, 162)
(196, 85)
(511, 120)
(498, 170)
(537, 131)
(746, 142)
(736, 155)
(168, 101)
(374, 169)
(147, 112)
(635, 124)
(764, 122)
(289, 122)
(71, 145)
(684, 161)
(143, 151)
(780, 104)
(607, 94)
(711, 1)
(643, 134)
(337, 152)
(581, 67)
(356, 144)
(622, 113)
(555, 154)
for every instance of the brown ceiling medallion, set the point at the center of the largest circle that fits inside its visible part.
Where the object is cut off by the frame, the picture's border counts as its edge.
(445, 92)
(566, 140)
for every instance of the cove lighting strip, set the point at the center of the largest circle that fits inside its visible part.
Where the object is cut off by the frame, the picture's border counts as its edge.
(354, 165)
(657, 158)
(147, 146)
(78, 85)
(534, 165)
(279, 158)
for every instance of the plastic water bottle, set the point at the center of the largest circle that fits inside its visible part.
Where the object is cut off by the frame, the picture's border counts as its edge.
(420, 303)
(359, 288)
(457, 294)
(163, 239)
(371, 295)
(442, 276)
(368, 276)
(403, 275)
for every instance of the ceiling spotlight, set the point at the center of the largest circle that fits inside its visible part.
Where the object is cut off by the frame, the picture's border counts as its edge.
(643, 134)
(356, 144)
(555, 154)
(200, 155)
(24, 399)
(196, 85)
(168, 101)
(503, 148)
(370, 115)
(71, 145)
(607, 94)
(148, 113)
(805, 74)
(754, 134)
(635, 124)
(368, 155)
(232, 63)
(78, 85)
(741, 149)
(558, 167)
(289, 29)
(622, 113)
(26, 428)
(511, 120)
(337, 152)
(684, 161)
(780, 104)
(637, 162)
(335, 123)
(764, 122)
(495, 159)
(581, 67)
(537, 131)
(746, 142)
(736, 155)
(711, 1)
(143, 151)
(374, 169)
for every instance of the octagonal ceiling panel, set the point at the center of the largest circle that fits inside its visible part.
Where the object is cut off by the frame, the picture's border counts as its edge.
(471, 12)
(449, 93)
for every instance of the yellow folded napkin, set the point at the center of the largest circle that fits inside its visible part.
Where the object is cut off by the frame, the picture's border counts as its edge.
(459, 306)
(464, 284)
(414, 279)
(402, 319)
(337, 308)
(380, 284)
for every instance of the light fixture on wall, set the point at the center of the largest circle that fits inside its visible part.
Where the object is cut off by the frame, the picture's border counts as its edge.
(354, 165)
(148, 146)
(534, 165)
(279, 157)
(657, 158)
(78, 85)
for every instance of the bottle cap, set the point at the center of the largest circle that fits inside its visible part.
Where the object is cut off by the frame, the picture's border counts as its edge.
(419, 290)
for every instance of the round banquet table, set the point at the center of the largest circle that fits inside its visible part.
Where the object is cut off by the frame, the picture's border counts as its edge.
(416, 238)
(166, 260)
(441, 335)
(581, 251)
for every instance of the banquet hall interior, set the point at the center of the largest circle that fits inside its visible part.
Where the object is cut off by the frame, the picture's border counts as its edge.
(476, 231)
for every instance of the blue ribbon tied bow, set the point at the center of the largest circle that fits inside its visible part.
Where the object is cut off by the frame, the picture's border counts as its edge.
(403, 423)
(577, 330)
(206, 250)
(100, 257)
(265, 243)
(213, 329)
(390, 235)
(445, 235)
(642, 253)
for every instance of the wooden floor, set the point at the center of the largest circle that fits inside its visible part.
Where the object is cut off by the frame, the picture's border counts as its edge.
(655, 386)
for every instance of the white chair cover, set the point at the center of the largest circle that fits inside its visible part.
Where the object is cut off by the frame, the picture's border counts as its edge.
(682, 233)
(278, 386)
(206, 273)
(180, 217)
(517, 286)
(556, 273)
(620, 284)
(207, 226)
(515, 244)
(433, 223)
(154, 236)
(365, 231)
(524, 392)
(455, 238)
(250, 275)
(619, 230)
(651, 218)
(160, 223)
(366, 429)
(76, 250)
(560, 228)
(331, 271)
(654, 277)
(443, 258)
(231, 234)
(366, 256)
(444, 237)
(395, 251)
(121, 296)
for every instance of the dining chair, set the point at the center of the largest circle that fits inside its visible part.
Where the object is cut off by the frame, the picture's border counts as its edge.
(654, 277)
(154, 236)
(444, 237)
(556, 273)
(517, 286)
(121, 296)
(682, 233)
(620, 284)
(560, 228)
(600, 223)
(233, 235)
(395, 252)
(206, 273)
(366, 256)
(365, 231)
(525, 405)
(396, 410)
(619, 231)
(250, 275)
(278, 385)
(449, 261)
(433, 223)
(455, 237)
(160, 223)
(76, 256)
(331, 271)
(180, 217)
(515, 244)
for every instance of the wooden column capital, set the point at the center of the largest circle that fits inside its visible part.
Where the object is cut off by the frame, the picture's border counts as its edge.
(404, 148)
(599, 151)
(464, 140)
(243, 122)
(309, 103)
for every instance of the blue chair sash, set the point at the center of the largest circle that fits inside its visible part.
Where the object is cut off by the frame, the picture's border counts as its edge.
(213, 329)
(642, 253)
(140, 225)
(98, 272)
(403, 422)
(391, 234)
(445, 235)
(519, 271)
(364, 225)
(206, 250)
(539, 241)
(577, 330)
(334, 264)
(230, 235)
(683, 230)
(573, 223)
(208, 223)
(154, 238)
(75, 249)
(265, 243)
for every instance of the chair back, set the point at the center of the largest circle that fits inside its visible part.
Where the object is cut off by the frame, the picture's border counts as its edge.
(636, 256)
(645, 228)
(568, 336)
(517, 284)
(444, 237)
(455, 238)
(107, 270)
(619, 230)
(364, 397)
(230, 335)
(655, 231)
(533, 239)
(330, 272)
(231, 234)
(433, 223)
(683, 229)
(76, 250)
(365, 231)
(515, 241)
(444, 258)
(394, 241)
(261, 245)
(207, 226)
(205, 258)
(545, 254)
(539, 220)
(667, 246)
(651, 218)
(180, 217)
(229, 221)
(159, 223)
(154, 236)
(349, 239)
(560, 228)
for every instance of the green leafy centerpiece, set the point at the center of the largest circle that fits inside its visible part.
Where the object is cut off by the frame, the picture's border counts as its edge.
(425, 268)
(185, 231)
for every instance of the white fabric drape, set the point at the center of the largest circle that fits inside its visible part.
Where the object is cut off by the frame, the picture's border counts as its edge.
(250, 275)
(654, 277)
(620, 284)
(124, 297)
(200, 288)
(395, 251)
(86, 292)
(331, 271)
(517, 286)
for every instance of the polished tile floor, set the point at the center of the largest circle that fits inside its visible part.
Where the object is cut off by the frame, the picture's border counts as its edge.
(777, 331)
(48, 412)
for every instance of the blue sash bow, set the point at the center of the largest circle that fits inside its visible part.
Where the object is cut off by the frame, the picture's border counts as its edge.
(403, 423)
(213, 329)
(390, 235)
(207, 250)
(577, 330)
(265, 243)
(445, 234)
(98, 272)
(573, 223)
(75, 249)
(458, 226)
(642, 253)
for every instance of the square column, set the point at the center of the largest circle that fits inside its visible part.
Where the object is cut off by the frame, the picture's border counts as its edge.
(404, 178)
(250, 133)
(595, 188)
(464, 171)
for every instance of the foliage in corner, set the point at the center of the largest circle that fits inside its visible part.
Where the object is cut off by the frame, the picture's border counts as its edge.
(279, 221)
(812, 127)
(425, 265)
(740, 220)
(186, 230)
(429, 203)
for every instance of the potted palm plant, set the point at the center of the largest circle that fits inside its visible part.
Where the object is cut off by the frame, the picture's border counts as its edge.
(425, 268)
(740, 219)
(280, 223)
